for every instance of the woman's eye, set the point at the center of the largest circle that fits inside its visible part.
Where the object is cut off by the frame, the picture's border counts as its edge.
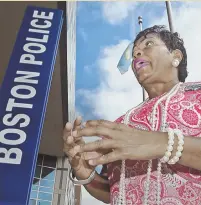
(149, 43)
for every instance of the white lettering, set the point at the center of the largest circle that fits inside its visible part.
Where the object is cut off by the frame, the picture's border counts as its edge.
(31, 94)
(41, 47)
(26, 77)
(7, 156)
(47, 24)
(29, 59)
(20, 140)
(39, 31)
(42, 15)
(13, 135)
(11, 103)
(44, 40)
(16, 119)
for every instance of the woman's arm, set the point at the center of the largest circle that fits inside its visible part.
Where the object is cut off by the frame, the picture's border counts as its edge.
(191, 154)
(135, 144)
(99, 188)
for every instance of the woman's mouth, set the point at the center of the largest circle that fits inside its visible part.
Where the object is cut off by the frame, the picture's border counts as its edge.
(139, 64)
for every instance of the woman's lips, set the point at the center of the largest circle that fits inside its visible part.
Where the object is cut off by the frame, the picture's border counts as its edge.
(140, 63)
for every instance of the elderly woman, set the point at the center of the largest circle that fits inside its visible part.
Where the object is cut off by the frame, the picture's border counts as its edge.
(150, 155)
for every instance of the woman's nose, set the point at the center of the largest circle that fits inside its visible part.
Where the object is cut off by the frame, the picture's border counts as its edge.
(138, 53)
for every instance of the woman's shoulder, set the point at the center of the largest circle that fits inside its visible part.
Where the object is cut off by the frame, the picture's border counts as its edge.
(191, 86)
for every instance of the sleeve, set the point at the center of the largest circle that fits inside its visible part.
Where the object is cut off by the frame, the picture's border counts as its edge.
(190, 114)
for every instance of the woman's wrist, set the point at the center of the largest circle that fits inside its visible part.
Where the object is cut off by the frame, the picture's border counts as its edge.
(82, 175)
(160, 143)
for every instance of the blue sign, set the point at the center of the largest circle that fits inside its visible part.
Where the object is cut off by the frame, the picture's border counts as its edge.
(23, 100)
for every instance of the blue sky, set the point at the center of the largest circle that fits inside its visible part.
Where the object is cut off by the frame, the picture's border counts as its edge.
(95, 32)
(104, 30)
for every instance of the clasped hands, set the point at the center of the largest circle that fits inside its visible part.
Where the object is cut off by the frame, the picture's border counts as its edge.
(119, 142)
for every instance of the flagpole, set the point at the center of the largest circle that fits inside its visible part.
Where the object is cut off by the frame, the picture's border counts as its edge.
(169, 14)
(140, 24)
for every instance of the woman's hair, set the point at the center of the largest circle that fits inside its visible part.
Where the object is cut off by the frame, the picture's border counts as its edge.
(172, 41)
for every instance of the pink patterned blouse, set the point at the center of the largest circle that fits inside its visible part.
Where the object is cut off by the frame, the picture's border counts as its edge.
(180, 185)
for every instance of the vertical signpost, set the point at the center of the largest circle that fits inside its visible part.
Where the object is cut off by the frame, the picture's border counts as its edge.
(23, 100)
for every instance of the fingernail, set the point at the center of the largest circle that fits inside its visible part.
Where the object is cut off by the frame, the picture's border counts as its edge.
(74, 133)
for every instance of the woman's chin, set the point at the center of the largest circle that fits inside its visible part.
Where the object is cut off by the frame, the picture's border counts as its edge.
(142, 79)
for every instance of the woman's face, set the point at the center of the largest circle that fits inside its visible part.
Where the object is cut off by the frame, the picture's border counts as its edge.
(152, 61)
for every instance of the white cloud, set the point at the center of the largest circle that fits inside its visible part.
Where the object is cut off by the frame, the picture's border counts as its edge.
(115, 89)
(89, 68)
(116, 12)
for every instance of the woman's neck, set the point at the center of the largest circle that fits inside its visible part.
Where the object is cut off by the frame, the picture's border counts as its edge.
(158, 89)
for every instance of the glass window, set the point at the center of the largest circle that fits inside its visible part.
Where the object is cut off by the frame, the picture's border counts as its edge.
(48, 173)
(43, 202)
(46, 183)
(40, 159)
(34, 187)
(38, 172)
(45, 189)
(43, 182)
(49, 161)
(33, 194)
(32, 202)
(36, 181)
(45, 196)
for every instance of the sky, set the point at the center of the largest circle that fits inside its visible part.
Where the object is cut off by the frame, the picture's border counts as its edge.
(104, 30)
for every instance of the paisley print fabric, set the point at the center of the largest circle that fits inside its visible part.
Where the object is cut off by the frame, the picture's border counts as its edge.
(180, 185)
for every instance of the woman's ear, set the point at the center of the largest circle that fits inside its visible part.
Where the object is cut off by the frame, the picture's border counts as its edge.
(177, 54)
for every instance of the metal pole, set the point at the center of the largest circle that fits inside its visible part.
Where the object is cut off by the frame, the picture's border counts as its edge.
(143, 90)
(169, 14)
(140, 22)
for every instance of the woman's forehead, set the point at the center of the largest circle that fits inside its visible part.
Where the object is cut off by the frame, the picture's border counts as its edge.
(147, 36)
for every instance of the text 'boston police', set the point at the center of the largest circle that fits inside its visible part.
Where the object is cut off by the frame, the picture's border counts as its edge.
(25, 80)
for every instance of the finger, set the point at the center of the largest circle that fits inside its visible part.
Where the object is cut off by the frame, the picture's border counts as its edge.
(68, 127)
(72, 152)
(91, 155)
(77, 126)
(108, 158)
(97, 145)
(70, 143)
(94, 131)
(107, 124)
(77, 123)
(70, 140)
(66, 150)
(78, 140)
(67, 130)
